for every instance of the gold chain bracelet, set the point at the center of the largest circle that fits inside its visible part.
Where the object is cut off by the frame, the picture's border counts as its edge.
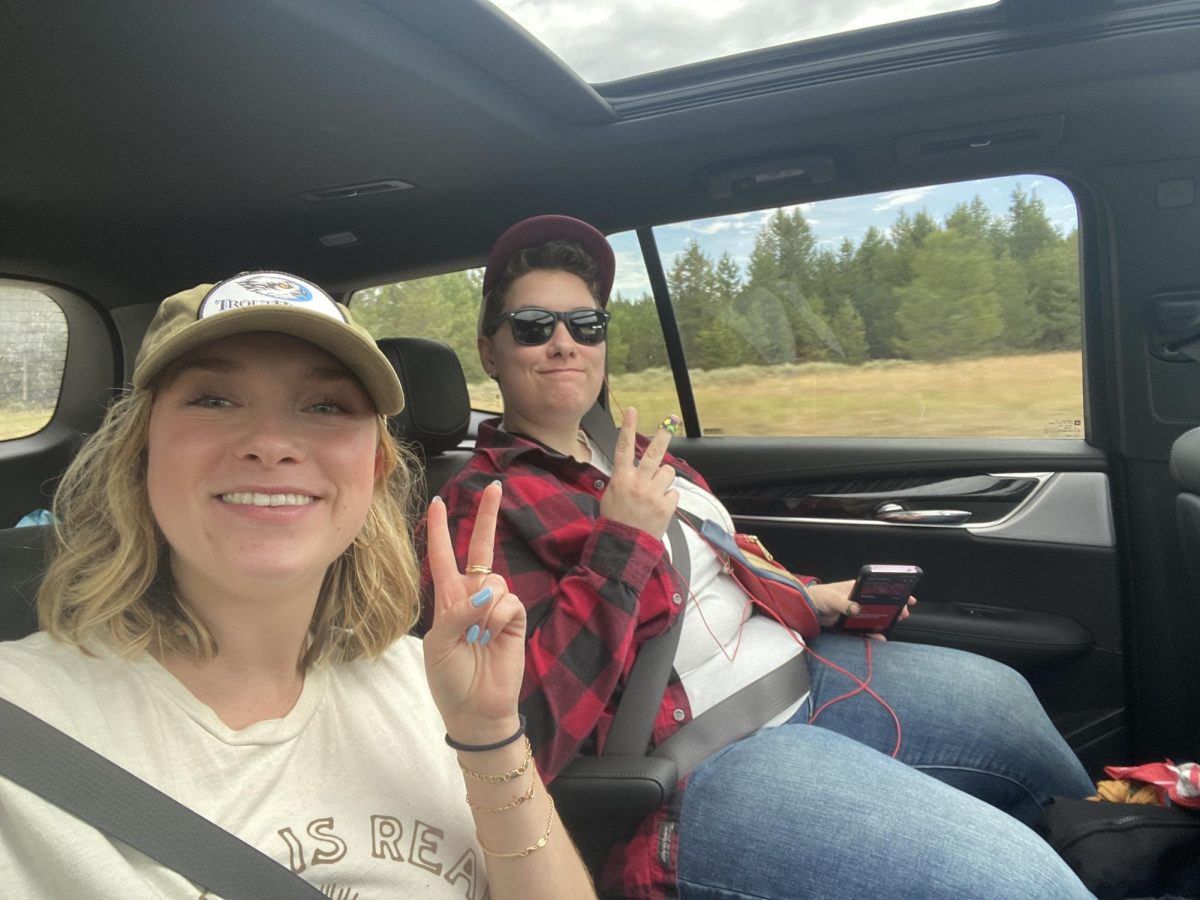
(507, 776)
(512, 804)
(541, 842)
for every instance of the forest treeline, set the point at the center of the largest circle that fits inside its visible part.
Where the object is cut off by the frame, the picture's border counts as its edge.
(976, 284)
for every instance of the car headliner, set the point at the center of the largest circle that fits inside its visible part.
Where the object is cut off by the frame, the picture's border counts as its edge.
(151, 144)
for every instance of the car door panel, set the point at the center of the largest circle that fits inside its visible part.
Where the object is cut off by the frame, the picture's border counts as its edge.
(1031, 578)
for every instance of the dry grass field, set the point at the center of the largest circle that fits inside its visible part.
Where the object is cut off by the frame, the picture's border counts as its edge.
(20, 424)
(1039, 395)
(1034, 396)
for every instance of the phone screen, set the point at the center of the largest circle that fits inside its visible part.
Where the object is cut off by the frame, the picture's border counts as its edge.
(881, 592)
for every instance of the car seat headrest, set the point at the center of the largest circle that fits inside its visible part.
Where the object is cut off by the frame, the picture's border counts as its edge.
(437, 410)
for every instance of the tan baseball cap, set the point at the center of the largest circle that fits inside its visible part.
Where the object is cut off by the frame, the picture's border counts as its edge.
(266, 301)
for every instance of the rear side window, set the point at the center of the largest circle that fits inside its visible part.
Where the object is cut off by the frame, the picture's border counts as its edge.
(946, 311)
(33, 352)
(950, 310)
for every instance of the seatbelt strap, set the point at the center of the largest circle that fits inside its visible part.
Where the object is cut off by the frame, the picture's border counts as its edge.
(39, 757)
(633, 724)
(738, 715)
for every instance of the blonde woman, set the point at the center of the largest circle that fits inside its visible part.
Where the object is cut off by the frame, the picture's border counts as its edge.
(225, 616)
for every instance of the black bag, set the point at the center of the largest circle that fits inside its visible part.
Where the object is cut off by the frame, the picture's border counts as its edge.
(1127, 849)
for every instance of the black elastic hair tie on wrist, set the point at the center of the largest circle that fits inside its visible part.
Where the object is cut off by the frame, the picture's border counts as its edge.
(483, 748)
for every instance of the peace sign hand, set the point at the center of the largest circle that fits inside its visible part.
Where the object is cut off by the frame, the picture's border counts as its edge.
(640, 494)
(475, 649)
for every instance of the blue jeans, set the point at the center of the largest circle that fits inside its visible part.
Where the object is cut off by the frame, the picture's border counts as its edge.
(823, 811)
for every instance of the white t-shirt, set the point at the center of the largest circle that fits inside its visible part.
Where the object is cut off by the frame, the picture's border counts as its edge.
(722, 647)
(354, 789)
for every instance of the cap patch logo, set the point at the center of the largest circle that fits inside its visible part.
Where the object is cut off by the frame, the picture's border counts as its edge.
(259, 289)
(277, 288)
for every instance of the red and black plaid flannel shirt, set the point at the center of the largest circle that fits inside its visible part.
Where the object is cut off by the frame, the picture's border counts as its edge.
(595, 590)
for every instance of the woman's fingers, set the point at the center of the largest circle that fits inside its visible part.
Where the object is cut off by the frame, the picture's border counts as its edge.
(475, 618)
(663, 477)
(626, 441)
(655, 450)
(449, 584)
(498, 610)
(483, 533)
(443, 568)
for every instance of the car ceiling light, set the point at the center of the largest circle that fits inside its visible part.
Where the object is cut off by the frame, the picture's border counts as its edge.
(808, 168)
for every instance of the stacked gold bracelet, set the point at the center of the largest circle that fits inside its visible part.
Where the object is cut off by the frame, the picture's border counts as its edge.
(541, 842)
(505, 777)
(512, 804)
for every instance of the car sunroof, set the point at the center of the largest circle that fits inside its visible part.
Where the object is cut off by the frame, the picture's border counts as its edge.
(622, 38)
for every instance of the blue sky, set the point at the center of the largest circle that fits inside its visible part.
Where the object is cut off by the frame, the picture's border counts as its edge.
(834, 220)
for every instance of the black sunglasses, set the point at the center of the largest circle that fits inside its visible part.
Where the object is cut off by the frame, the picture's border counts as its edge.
(533, 325)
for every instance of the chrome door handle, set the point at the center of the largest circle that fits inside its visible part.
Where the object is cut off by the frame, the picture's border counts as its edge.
(894, 512)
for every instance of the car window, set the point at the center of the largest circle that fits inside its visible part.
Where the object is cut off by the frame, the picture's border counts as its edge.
(442, 307)
(946, 311)
(33, 351)
(952, 310)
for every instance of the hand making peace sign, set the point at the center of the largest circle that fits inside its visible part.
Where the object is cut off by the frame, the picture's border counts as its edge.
(640, 494)
(475, 649)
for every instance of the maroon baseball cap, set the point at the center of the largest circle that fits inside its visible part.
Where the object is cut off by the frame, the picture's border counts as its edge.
(538, 230)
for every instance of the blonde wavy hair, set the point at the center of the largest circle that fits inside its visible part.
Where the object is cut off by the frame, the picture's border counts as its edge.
(109, 578)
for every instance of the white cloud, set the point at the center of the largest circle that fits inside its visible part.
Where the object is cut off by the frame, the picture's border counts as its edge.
(894, 199)
(711, 227)
(618, 38)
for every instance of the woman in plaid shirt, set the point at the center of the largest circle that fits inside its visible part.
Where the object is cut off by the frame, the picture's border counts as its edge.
(842, 808)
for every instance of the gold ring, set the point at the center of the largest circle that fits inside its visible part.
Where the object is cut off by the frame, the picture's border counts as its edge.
(478, 570)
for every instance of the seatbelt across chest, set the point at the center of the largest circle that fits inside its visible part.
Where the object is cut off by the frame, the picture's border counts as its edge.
(735, 717)
(78, 780)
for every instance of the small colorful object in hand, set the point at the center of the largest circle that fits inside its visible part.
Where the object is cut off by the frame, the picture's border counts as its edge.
(671, 424)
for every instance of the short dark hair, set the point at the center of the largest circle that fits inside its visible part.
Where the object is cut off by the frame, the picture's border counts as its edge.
(552, 256)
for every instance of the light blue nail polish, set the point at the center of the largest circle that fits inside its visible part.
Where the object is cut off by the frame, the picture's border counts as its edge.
(481, 597)
(472, 634)
(487, 636)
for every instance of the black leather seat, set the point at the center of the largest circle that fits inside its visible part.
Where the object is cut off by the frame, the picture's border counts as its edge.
(1185, 467)
(437, 407)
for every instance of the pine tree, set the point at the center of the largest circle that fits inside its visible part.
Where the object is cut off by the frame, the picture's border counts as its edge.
(635, 339)
(951, 307)
(692, 283)
(1053, 283)
(784, 264)
(872, 292)
(847, 327)
(1029, 229)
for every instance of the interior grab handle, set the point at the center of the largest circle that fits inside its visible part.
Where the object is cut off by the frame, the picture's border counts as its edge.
(894, 512)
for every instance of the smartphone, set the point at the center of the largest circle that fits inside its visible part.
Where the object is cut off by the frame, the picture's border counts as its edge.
(882, 592)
